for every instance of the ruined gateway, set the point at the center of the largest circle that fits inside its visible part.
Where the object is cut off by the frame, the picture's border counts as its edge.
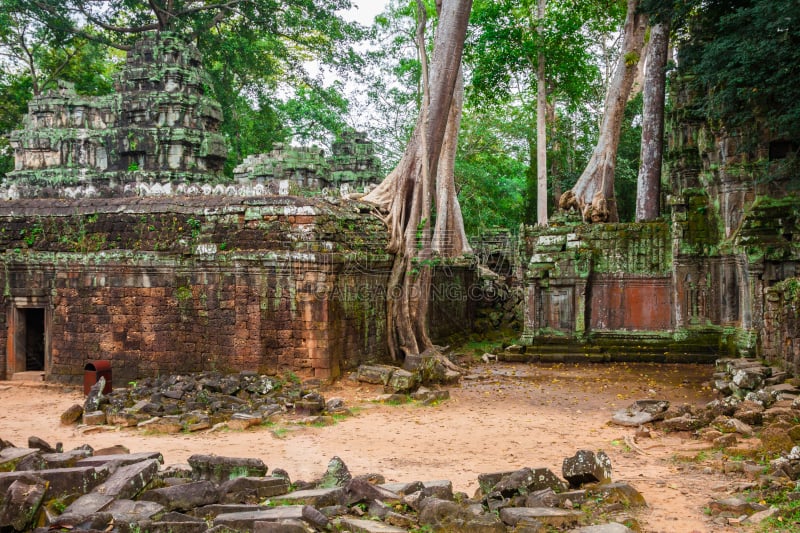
(122, 241)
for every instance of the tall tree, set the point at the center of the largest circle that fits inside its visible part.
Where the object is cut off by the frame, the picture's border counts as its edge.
(418, 196)
(593, 194)
(512, 44)
(648, 184)
(541, 123)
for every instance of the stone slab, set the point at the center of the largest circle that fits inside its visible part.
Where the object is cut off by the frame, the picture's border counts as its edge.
(65, 459)
(183, 497)
(245, 521)
(314, 497)
(127, 481)
(61, 481)
(87, 504)
(9, 457)
(546, 515)
(219, 469)
(131, 511)
(121, 459)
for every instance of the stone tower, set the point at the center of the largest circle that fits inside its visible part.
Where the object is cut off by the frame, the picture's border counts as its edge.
(158, 128)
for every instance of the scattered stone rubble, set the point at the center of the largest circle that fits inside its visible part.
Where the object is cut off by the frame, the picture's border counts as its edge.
(756, 417)
(193, 402)
(43, 488)
(212, 400)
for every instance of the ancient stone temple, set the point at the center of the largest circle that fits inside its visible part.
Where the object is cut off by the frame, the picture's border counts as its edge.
(352, 167)
(118, 242)
(158, 128)
(718, 275)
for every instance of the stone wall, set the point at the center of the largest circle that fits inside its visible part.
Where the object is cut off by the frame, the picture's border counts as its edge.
(597, 277)
(780, 333)
(189, 284)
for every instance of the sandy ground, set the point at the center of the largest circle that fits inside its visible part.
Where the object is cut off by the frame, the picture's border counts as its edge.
(501, 417)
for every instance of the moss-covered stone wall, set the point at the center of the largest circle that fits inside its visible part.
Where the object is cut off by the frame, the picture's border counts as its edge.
(780, 336)
(196, 283)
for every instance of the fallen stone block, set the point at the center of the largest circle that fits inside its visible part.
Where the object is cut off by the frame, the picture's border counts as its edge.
(71, 415)
(10, 457)
(133, 512)
(196, 421)
(429, 396)
(315, 517)
(62, 482)
(444, 515)
(125, 418)
(684, 422)
(315, 497)
(44, 447)
(750, 378)
(242, 421)
(209, 512)
(94, 418)
(21, 502)
(586, 467)
(117, 449)
(246, 521)
(487, 481)
(376, 374)
(546, 515)
(360, 490)
(121, 459)
(65, 459)
(735, 507)
(336, 475)
(183, 497)
(404, 488)
(93, 522)
(129, 480)
(86, 505)
(619, 492)
(219, 469)
(641, 412)
(760, 516)
(401, 381)
(245, 489)
(527, 480)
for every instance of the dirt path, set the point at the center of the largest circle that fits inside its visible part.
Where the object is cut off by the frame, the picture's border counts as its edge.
(502, 417)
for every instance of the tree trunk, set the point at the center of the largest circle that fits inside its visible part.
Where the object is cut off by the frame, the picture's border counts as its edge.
(593, 194)
(541, 127)
(423, 176)
(648, 184)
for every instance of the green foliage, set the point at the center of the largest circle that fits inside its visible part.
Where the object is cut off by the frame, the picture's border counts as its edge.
(503, 56)
(315, 114)
(489, 177)
(740, 57)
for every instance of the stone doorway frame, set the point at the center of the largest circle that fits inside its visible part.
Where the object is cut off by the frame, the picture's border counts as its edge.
(16, 350)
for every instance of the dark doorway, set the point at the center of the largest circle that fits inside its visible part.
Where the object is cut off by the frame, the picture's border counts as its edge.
(34, 338)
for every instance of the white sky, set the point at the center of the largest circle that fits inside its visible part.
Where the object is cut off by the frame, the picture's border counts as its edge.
(364, 11)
